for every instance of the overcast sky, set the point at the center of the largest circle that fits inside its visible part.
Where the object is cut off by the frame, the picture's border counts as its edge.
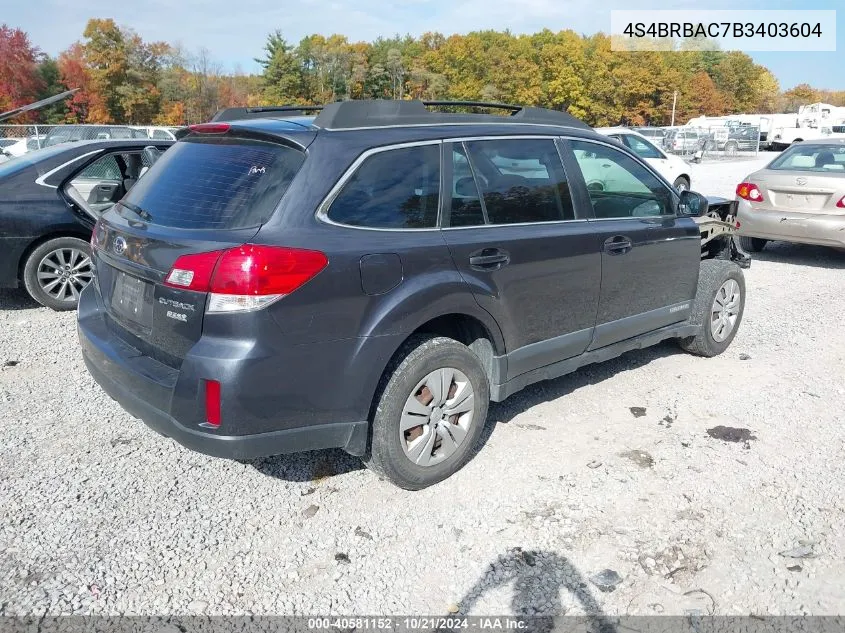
(234, 32)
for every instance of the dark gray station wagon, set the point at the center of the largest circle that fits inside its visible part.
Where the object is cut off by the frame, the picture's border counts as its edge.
(371, 278)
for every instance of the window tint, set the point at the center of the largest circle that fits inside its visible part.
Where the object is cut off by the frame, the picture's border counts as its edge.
(161, 134)
(396, 189)
(519, 181)
(216, 183)
(619, 186)
(804, 157)
(466, 201)
(641, 146)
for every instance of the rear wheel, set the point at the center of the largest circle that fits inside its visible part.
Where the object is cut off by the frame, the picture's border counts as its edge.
(752, 244)
(57, 271)
(718, 308)
(430, 413)
(731, 148)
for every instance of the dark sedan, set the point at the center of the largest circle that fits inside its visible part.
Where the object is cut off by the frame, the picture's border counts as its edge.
(49, 202)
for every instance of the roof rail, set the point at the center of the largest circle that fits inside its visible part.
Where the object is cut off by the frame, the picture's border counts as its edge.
(341, 115)
(383, 112)
(261, 112)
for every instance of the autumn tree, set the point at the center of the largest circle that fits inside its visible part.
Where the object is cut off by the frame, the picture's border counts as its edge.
(703, 97)
(123, 79)
(87, 105)
(20, 82)
(802, 94)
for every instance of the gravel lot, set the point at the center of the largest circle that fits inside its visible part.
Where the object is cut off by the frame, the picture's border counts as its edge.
(102, 516)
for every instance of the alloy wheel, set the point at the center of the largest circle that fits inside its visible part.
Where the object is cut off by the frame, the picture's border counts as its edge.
(64, 273)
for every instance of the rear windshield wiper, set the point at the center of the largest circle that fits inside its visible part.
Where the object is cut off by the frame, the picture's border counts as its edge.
(137, 211)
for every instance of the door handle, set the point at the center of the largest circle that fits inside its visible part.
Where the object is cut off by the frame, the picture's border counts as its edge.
(618, 245)
(489, 259)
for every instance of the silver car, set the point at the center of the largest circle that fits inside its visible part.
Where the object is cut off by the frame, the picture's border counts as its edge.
(798, 197)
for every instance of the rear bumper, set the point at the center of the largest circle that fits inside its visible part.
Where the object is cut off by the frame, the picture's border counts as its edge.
(171, 401)
(790, 226)
(349, 436)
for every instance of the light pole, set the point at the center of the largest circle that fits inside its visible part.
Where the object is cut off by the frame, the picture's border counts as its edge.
(674, 101)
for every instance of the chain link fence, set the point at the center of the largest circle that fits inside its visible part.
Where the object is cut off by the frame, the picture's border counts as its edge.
(714, 142)
(16, 140)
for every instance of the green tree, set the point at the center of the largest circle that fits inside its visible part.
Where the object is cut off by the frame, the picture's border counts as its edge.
(282, 78)
(51, 80)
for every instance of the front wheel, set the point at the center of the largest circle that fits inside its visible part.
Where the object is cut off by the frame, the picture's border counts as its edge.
(57, 271)
(430, 413)
(681, 183)
(718, 308)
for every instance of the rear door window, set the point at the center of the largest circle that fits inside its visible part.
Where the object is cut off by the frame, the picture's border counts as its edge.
(105, 168)
(216, 183)
(392, 189)
(519, 180)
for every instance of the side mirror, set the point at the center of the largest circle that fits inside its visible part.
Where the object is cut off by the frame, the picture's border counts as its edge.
(692, 204)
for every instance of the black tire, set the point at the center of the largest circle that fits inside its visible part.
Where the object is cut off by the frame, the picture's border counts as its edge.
(713, 275)
(752, 244)
(419, 357)
(39, 260)
(681, 181)
(731, 148)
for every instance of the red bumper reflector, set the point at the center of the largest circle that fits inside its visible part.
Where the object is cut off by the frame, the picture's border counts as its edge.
(212, 402)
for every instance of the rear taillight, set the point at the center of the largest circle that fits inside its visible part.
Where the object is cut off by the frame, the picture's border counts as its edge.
(841, 203)
(193, 272)
(247, 277)
(210, 128)
(749, 191)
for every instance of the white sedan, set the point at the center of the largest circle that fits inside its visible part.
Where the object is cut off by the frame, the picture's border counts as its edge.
(672, 168)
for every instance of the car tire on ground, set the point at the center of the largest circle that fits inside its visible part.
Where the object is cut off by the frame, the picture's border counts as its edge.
(441, 384)
(752, 244)
(57, 271)
(681, 183)
(731, 148)
(717, 309)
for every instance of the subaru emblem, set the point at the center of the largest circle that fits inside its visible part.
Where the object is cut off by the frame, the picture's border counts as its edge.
(119, 245)
(801, 180)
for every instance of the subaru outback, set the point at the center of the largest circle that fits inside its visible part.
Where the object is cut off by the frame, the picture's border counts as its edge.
(371, 277)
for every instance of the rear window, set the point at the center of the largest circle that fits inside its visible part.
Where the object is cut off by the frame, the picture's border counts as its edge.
(804, 157)
(218, 183)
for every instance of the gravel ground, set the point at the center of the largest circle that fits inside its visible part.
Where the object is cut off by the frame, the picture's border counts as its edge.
(611, 468)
